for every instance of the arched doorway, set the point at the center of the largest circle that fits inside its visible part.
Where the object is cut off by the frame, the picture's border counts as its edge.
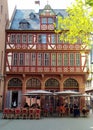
(52, 85)
(72, 84)
(14, 92)
(33, 84)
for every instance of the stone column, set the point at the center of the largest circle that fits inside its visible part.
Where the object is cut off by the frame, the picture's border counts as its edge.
(61, 85)
(23, 90)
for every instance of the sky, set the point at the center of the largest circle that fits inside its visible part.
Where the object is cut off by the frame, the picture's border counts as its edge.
(30, 4)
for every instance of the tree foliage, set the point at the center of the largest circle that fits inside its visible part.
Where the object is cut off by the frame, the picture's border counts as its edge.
(78, 25)
(89, 2)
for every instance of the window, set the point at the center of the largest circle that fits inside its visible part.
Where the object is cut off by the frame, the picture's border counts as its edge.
(32, 16)
(44, 20)
(53, 38)
(33, 59)
(13, 38)
(15, 82)
(72, 59)
(47, 21)
(78, 61)
(40, 59)
(59, 41)
(59, 59)
(66, 59)
(21, 59)
(18, 38)
(46, 59)
(24, 24)
(71, 83)
(50, 21)
(42, 38)
(24, 38)
(52, 83)
(39, 38)
(33, 83)
(53, 59)
(30, 38)
(15, 59)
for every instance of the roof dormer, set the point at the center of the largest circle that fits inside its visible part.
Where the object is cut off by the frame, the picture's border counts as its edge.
(24, 24)
(32, 16)
(47, 11)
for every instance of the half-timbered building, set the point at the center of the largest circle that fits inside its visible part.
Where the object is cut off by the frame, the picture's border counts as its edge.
(36, 58)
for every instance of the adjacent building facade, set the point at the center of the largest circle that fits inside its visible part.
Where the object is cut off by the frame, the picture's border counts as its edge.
(36, 58)
(3, 25)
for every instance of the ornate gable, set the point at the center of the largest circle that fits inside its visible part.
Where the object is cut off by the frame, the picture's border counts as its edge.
(47, 11)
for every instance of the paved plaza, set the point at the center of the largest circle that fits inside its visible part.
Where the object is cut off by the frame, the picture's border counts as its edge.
(62, 123)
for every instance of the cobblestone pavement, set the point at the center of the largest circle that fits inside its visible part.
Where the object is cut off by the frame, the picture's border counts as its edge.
(62, 123)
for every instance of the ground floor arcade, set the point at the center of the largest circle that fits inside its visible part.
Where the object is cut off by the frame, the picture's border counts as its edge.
(17, 85)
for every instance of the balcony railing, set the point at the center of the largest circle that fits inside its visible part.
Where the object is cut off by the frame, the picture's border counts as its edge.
(51, 69)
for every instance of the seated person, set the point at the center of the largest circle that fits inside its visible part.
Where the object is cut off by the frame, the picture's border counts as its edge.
(26, 105)
(62, 109)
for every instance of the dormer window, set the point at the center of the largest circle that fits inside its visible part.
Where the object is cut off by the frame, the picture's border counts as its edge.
(24, 24)
(47, 20)
(44, 20)
(32, 16)
(50, 20)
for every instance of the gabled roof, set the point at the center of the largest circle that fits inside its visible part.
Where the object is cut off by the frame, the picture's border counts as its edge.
(25, 15)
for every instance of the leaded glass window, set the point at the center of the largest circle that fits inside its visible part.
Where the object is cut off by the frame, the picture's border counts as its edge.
(30, 38)
(40, 59)
(33, 83)
(44, 39)
(46, 59)
(72, 59)
(50, 21)
(59, 40)
(15, 82)
(44, 20)
(71, 83)
(18, 38)
(21, 59)
(52, 83)
(78, 61)
(24, 38)
(15, 59)
(13, 38)
(66, 59)
(33, 59)
(59, 59)
(53, 59)
(53, 38)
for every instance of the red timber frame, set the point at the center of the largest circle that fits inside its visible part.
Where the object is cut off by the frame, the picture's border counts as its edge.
(36, 47)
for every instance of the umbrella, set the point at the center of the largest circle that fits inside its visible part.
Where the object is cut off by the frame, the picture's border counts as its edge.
(38, 92)
(81, 95)
(67, 92)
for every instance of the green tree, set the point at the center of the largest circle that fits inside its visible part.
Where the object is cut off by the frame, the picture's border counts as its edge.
(78, 25)
(89, 2)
